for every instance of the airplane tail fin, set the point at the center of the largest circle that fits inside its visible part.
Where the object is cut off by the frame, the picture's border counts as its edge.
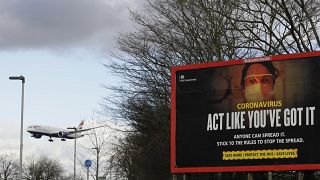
(81, 125)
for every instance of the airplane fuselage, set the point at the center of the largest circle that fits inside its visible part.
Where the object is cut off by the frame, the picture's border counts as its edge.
(38, 131)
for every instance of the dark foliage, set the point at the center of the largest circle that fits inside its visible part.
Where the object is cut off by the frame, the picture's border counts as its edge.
(179, 32)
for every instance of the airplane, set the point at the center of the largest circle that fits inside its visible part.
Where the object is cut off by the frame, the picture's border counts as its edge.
(37, 131)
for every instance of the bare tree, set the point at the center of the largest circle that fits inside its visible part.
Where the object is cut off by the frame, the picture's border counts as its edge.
(170, 33)
(173, 33)
(278, 27)
(43, 168)
(8, 165)
(96, 144)
(121, 162)
(180, 32)
(70, 176)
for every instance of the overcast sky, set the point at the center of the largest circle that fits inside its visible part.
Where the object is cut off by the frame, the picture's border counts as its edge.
(59, 46)
(58, 24)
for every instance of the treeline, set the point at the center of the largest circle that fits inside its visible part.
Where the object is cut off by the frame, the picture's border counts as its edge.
(35, 168)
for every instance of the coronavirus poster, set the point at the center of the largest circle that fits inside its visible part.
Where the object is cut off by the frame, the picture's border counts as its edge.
(255, 114)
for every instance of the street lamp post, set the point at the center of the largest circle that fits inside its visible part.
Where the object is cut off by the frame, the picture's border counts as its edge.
(21, 126)
(75, 151)
(97, 168)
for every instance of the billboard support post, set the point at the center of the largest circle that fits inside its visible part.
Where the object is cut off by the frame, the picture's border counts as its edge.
(174, 177)
(250, 177)
(300, 175)
(269, 175)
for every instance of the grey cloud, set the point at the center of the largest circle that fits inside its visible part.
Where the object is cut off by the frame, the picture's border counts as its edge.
(62, 23)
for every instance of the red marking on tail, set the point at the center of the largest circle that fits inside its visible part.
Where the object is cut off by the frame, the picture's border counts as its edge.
(81, 124)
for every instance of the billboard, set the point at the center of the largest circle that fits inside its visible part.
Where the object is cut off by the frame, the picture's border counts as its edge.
(257, 114)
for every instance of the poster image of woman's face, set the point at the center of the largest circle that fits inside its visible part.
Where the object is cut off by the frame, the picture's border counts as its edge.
(258, 82)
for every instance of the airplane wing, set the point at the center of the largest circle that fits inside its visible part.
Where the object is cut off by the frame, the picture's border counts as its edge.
(83, 130)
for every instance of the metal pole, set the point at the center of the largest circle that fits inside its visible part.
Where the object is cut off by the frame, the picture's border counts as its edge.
(97, 163)
(300, 175)
(174, 177)
(184, 177)
(97, 170)
(219, 176)
(21, 129)
(21, 126)
(269, 175)
(87, 173)
(75, 153)
(250, 177)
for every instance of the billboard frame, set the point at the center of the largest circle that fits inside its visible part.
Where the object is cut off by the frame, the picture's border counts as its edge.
(174, 70)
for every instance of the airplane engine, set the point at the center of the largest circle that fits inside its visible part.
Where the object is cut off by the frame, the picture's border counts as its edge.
(37, 136)
(61, 134)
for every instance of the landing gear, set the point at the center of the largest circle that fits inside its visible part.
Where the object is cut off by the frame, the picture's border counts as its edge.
(50, 140)
(63, 139)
